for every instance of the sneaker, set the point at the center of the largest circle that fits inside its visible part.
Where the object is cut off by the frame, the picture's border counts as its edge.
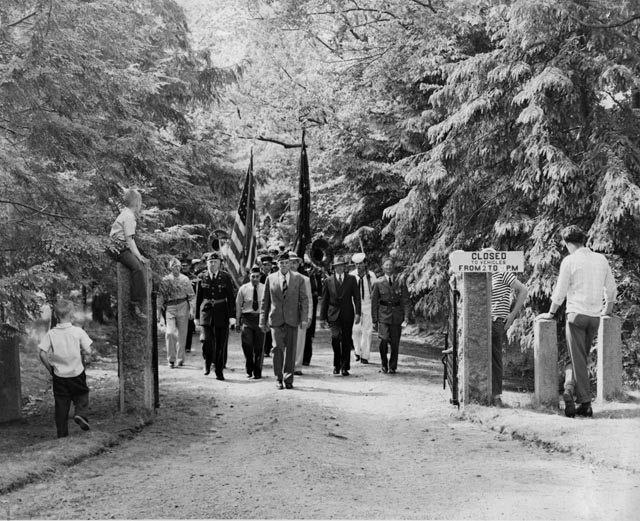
(569, 405)
(585, 410)
(83, 422)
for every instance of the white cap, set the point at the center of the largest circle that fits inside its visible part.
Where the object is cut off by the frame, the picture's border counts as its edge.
(358, 258)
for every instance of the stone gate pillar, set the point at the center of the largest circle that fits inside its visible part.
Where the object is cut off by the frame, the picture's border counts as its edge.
(609, 368)
(10, 389)
(135, 350)
(545, 354)
(475, 348)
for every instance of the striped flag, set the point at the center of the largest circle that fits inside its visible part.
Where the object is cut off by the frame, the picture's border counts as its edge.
(242, 246)
(303, 224)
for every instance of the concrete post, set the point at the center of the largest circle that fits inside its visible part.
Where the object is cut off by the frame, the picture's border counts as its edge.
(474, 371)
(545, 355)
(609, 369)
(10, 389)
(135, 350)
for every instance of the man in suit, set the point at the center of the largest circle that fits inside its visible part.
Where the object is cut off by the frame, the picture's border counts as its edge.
(362, 331)
(340, 308)
(285, 308)
(390, 307)
(266, 265)
(215, 313)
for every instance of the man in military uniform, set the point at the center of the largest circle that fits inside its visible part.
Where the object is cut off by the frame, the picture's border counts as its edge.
(215, 313)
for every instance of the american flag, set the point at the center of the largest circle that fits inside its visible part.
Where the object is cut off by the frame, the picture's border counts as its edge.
(303, 224)
(242, 246)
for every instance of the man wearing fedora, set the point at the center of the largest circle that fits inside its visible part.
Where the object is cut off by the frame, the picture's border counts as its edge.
(362, 331)
(285, 309)
(215, 313)
(340, 309)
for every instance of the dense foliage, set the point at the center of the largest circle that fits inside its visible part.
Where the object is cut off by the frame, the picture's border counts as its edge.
(441, 125)
(96, 97)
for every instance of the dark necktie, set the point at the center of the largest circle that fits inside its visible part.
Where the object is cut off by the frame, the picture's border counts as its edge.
(284, 287)
(391, 281)
(255, 298)
(361, 288)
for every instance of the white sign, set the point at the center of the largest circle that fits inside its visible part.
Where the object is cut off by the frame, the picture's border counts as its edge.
(486, 261)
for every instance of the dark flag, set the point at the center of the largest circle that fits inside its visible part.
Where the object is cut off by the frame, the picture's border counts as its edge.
(303, 225)
(242, 246)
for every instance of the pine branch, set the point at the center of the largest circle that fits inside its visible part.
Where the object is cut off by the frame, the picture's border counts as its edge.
(613, 25)
(37, 210)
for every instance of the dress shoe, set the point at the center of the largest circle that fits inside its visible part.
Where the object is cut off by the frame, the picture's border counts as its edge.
(207, 369)
(172, 365)
(384, 370)
(345, 372)
(357, 358)
(392, 371)
(82, 421)
(569, 405)
(364, 361)
(249, 376)
(305, 363)
(288, 385)
(585, 410)
(180, 363)
(219, 376)
(257, 377)
(297, 373)
(336, 370)
(279, 384)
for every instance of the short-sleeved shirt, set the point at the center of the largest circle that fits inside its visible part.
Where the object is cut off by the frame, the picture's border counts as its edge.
(63, 344)
(176, 288)
(244, 298)
(501, 285)
(124, 226)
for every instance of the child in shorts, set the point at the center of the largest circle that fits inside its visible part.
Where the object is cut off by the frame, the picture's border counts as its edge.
(61, 352)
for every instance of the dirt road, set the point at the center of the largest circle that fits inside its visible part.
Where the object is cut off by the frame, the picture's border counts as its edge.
(367, 446)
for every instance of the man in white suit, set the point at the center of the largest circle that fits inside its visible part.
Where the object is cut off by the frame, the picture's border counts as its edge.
(362, 331)
(285, 308)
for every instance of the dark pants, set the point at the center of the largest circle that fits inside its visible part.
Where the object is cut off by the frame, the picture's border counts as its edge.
(580, 332)
(65, 391)
(268, 343)
(191, 329)
(498, 340)
(389, 335)
(215, 341)
(252, 338)
(342, 344)
(311, 330)
(138, 283)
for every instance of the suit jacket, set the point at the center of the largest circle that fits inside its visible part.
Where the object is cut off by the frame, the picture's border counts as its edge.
(338, 302)
(390, 305)
(292, 309)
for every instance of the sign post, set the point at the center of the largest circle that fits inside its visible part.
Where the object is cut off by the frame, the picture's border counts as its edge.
(476, 268)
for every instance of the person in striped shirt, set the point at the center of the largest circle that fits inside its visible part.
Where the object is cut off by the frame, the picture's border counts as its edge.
(586, 281)
(503, 284)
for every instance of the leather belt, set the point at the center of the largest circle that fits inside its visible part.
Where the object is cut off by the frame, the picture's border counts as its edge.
(216, 300)
(392, 304)
(176, 301)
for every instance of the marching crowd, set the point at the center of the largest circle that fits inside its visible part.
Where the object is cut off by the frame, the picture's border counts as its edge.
(276, 310)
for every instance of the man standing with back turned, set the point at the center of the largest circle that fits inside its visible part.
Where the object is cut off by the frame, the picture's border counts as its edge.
(585, 277)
